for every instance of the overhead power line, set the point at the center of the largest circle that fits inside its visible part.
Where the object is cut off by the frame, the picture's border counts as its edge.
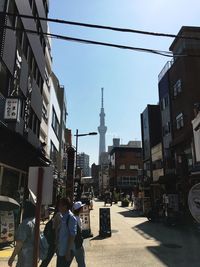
(104, 27)
(85, 41)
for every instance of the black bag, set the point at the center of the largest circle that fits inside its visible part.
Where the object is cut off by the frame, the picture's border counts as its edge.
(49, 232)
(78, 241)
(78, 238)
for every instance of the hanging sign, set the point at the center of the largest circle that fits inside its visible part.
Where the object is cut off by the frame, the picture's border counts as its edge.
(12, 109)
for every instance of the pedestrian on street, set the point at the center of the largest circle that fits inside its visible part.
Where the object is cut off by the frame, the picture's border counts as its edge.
(79, 252)
(24, 238)
(66, 235)
(51, 234)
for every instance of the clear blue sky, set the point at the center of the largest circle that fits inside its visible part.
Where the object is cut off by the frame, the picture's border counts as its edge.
(129, 78)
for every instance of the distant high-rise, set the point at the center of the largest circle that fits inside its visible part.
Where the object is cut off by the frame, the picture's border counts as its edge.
(102, 129)
(83, 161)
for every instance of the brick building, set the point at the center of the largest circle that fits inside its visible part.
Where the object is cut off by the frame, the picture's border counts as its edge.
(125, 163)
(179, 84)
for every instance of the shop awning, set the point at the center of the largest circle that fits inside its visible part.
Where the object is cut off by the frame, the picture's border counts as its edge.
(7, 203)
(16, 151)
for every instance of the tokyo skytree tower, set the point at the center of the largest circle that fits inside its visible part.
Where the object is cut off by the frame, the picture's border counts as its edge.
(102, 128)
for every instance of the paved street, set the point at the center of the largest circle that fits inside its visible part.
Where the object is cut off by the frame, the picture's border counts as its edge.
(137, 242)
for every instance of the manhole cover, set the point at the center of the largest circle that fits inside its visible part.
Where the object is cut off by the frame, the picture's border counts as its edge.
(171, 245)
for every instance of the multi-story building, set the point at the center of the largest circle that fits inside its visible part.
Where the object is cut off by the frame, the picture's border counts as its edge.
(54, 124)
(125, 165)
(166, 118)
(83, 161)
(62, 136)
(22, 74)
(95, 175)
(181, 81)
(104, 179)
(46, 98)
(151, 136)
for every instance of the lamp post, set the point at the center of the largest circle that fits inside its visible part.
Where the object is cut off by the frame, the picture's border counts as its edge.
(77, 136)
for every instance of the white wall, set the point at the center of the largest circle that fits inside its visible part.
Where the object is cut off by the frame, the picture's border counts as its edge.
(53, 103)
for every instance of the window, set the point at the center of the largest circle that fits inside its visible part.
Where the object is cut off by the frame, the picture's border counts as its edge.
(55, 123)
(166, 128)
(22, 108)
(44, 113)
(30, 59)
(122, 167)
(2, 5)
(25, 46)
(45, 7)
(19, 34)
(179, 121)
(134, 167)
(13, 10)
(4, 80)
(46, 77)
(128, 181)
(177, 88)
(31, 118)
(40, 84)
(34, 69)
(164, 103)
(31, 3)
(34, 10)
(35, 124)
(53, 153)
(157, 164)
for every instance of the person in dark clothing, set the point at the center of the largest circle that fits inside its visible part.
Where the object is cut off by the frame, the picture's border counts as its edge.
(50, 234)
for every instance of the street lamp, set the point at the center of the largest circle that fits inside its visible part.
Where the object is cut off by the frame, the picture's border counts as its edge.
(79, 135)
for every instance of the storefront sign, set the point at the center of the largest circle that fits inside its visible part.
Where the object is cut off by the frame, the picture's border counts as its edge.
(12, 109)
(104, 222)
(85, 216)
(7, 226)
(194, 202)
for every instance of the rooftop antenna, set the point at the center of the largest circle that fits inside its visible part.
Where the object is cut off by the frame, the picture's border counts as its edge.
(102, 97)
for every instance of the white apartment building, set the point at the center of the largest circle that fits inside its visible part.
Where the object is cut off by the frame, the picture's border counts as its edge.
(54, 124)
(46, 98)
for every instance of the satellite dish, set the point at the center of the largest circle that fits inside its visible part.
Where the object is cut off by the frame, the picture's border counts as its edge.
(194, 201)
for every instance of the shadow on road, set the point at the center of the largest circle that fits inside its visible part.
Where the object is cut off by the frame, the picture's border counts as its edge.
(98, 237)
(177, 246)
(130, 213)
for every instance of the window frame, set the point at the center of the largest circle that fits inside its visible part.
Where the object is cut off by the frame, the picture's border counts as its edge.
(179, 121)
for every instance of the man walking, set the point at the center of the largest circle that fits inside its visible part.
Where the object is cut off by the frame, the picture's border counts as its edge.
(66, 234)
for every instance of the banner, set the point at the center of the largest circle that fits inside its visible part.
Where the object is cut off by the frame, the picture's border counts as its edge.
(194, 202)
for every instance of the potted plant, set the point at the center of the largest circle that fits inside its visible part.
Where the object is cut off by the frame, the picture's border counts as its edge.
(125, 202)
